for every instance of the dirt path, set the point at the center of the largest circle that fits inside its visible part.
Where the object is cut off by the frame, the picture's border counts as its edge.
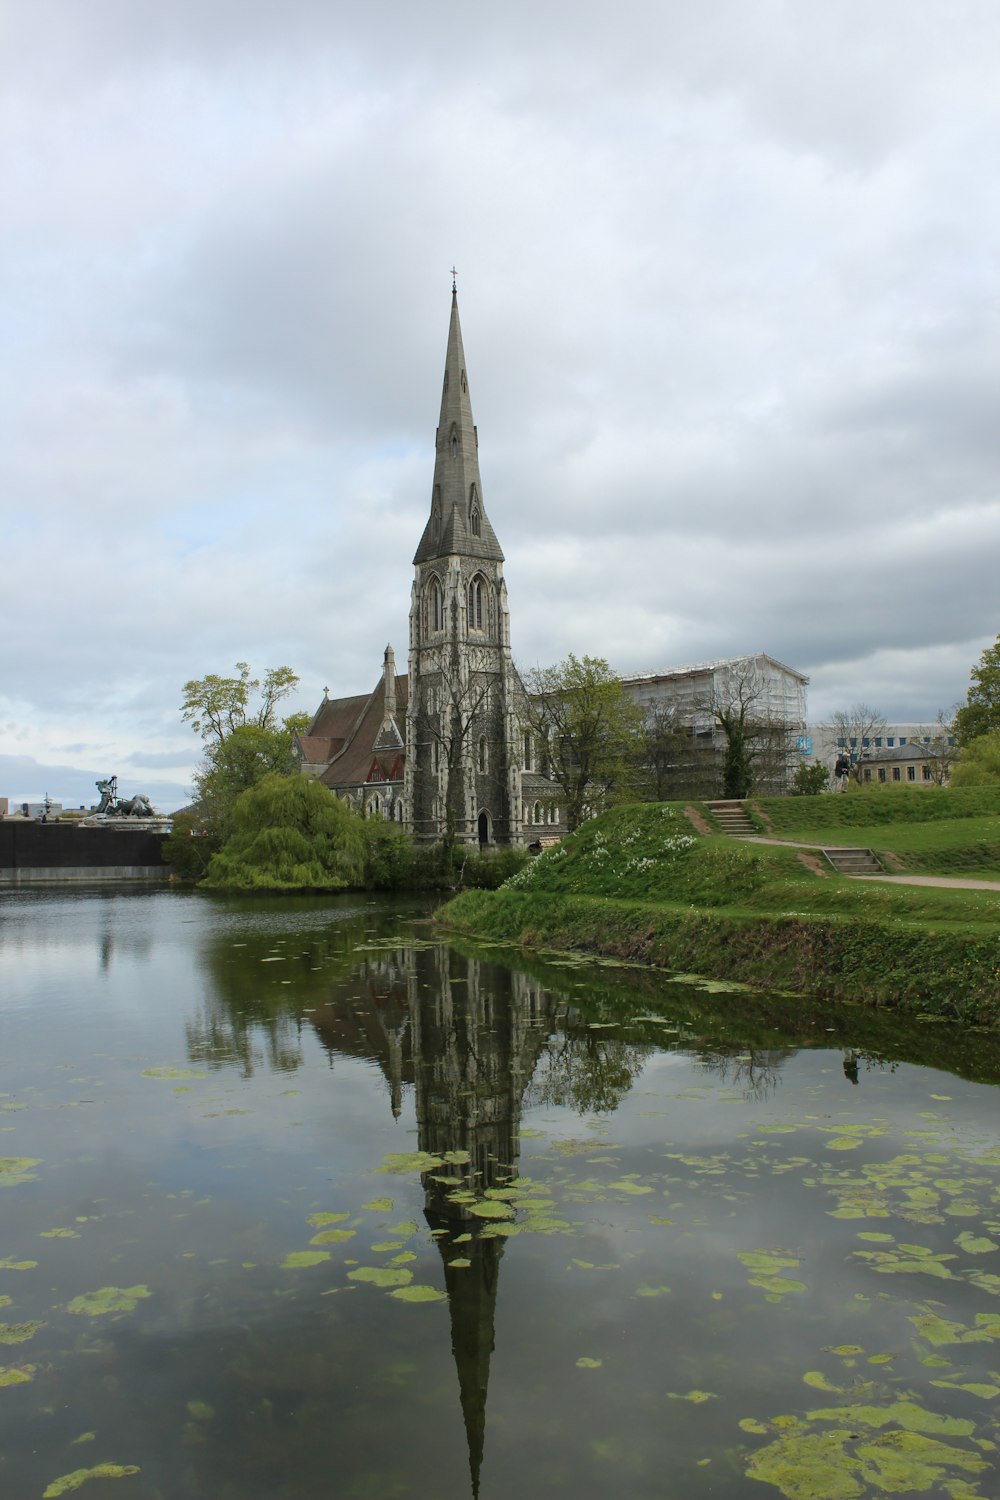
(945, 882)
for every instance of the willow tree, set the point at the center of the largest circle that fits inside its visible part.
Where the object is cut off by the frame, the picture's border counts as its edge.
(290, 833)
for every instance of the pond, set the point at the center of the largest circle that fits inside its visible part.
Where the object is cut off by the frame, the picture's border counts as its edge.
(298, 1201)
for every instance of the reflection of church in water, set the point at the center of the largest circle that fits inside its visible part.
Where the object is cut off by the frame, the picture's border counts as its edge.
(468, 1041)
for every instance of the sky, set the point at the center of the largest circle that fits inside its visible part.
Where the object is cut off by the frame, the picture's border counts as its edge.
(729, 281)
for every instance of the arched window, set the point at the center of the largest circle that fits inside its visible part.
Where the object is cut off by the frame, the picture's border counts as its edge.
(536, 816)
(527, 752)
(483, 753)
(476, 524)
(454, 442)
(476, 604)
(399, 812)
(435, 606)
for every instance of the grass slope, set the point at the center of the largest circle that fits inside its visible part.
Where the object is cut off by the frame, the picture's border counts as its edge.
(931, 831)
(638, 882)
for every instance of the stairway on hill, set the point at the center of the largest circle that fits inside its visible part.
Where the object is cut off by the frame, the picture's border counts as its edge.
(731, 817)
(854, 862)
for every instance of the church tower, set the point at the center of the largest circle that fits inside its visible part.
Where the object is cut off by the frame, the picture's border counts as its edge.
(462, 777)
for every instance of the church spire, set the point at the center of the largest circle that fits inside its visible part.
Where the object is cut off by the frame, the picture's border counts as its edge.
(458, 524)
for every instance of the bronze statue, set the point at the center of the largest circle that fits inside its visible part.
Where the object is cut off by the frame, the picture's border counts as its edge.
(114, 806)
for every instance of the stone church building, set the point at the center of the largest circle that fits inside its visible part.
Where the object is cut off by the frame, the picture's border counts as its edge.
(441, 750)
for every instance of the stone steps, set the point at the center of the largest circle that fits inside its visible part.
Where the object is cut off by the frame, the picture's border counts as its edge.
(853, 861)
(731, 816)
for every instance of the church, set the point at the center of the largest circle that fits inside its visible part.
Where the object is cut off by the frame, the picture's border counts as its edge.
(441, 750)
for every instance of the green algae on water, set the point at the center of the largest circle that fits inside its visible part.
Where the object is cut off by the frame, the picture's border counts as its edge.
(295, 1260)
(109, 1299)
(15, 1169)
(80, 1476)
(16, 1374)
(19, 1333)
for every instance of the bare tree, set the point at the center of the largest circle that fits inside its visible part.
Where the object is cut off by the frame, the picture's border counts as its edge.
(940, 750)
(757, 743)
(858, 727)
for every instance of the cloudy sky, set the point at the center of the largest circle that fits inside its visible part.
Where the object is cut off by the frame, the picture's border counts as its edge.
(729, 277)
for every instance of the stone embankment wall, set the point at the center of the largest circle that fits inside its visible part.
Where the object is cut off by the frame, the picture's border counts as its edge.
(58, 851)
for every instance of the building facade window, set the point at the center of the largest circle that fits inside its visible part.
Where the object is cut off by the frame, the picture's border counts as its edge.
(536, 815)
(926, 772)
(868, 773)
(895, 773)
(483, 754)
(881, 774)
(911, 773)
(527, 752)
(476, 604)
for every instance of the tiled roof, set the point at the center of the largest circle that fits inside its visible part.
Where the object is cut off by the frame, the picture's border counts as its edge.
(352, 764)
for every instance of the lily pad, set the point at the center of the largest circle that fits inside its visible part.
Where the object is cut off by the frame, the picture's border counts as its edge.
(382, 1275)
(332, 1236)
(296, 1260)
(419, 1294)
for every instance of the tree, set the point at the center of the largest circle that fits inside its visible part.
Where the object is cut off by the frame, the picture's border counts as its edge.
(979, 762)
(980, 713)
(290, 833)
(810, 780)
(216, 706)
(238, 762)
(244, 740)
(858, 727)
(587, 728)
(940, 750)
(756, 743)
(668, 763)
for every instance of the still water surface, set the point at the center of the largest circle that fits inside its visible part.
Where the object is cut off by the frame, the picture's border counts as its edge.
(298, 1202)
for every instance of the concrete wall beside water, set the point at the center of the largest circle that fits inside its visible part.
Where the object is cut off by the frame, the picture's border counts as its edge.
(58, 851)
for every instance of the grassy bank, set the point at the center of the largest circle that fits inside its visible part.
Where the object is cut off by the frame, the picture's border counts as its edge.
(639, 883)
(927, 831)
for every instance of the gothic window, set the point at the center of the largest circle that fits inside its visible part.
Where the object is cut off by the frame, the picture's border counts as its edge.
(454, 443)
(536, 815)
(464, 386)
(477, 524)
(483, 753)
(399, 812)
(476, 604)
(527, 752)
(435, 606)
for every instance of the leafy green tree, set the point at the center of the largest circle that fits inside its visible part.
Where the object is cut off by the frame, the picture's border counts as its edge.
(238, 762)
(290, 833)
(189, 846)
(980, 713)
(979, 763)
(244, 741)
(587, 729)
(809, 781)
(216, 706)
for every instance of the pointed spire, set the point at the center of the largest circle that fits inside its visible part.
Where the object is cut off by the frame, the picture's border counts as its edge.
(458, 523)
(389, 683)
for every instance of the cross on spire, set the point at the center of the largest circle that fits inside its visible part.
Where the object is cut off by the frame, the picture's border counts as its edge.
(454, 283)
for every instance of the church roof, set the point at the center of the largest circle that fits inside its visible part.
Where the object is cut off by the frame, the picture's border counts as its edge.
(458, 523)
(369, 739)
